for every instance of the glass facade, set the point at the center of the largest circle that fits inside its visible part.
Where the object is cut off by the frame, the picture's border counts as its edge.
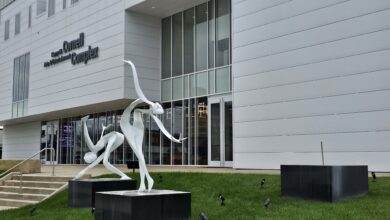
(195, 64)
(198, 41)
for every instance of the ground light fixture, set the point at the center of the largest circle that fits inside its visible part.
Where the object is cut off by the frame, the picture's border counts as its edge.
(221, 199)
(160, 178)
(32, 211)
(203, 216)
(262, 183)
(373, 176)
(267, 202)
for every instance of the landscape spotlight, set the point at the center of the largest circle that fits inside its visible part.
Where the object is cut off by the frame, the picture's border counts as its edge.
(267, 202)
(32, 211)
(373, 176)
(221, 199)
(160, 177)
(203, 216)
(262, 183)
(92, 211)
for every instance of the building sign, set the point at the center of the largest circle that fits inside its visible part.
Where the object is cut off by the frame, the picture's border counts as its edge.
(64, 54)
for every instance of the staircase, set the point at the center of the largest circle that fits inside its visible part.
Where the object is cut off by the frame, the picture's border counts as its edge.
(35, 188)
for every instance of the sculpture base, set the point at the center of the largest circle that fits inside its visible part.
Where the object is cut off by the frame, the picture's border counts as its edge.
(324, 183)
(134, 205)
(81, 192)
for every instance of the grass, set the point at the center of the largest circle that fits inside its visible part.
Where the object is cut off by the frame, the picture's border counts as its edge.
(244, 200)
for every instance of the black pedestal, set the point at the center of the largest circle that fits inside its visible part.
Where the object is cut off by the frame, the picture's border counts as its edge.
(325, 183)
(82, 192)
(134, 205)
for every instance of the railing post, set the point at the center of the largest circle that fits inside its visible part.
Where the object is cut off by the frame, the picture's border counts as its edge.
(20, 179)
(52, 162)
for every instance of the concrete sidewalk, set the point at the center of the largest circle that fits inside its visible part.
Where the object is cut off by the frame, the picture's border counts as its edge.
(72, 170)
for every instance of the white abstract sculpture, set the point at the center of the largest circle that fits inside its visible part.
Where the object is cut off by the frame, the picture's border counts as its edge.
(134, 133)
(113, 140)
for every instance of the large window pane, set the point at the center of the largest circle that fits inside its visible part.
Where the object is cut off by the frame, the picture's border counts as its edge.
(154, 143)
(145, 146)
(201, 37)
(215, 132)
(211, 82)
(222, 78)
(166, 142)
(177, 88)
(192, 85)
(186, 86)
(228, 131)
(166, 90)
(177, 44)
(201, 84)
(177, 131)
(189, 40)
(191, 136)
(222, 55)
(202, 131)
(186, 112)
(166, 48)
(211, 18)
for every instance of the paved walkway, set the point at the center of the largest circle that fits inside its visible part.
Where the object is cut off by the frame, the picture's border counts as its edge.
(72, 170)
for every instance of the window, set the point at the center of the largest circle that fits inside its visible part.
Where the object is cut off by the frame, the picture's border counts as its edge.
(29, 15)
(41, 6)
(17, 23)
(63, 4)
(20, 85)
(52, 6)
(6, 30)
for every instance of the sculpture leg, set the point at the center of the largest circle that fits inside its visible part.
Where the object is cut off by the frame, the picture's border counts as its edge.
(107, 164)
(90, 166)
(142, 166)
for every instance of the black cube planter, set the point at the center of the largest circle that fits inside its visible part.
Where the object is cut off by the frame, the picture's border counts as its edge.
(81, 192)
(134, 205)
(324, 183)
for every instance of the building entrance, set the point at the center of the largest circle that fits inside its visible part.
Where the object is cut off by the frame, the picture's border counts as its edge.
(49, 139)
(220, 137)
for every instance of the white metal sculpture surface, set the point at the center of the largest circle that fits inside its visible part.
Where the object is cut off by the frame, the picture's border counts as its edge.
(113, 140)
(134, 133)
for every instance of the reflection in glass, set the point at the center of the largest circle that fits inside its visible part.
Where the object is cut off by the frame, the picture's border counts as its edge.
(186, 112)
(222, 78)
(228, 132)
(176, 131)
(215, 132)
(186, 86)
(192, 85)
(211, 82)
(166, 90)
(166, 142)
(177, 88)
(202, 131)
(177, 44)
(211, 18)
(189, 40)
(154, 143)
(222, 56)
(145, 144)
(192, 132)
(201, 84)
(166, 48)
(201, 37)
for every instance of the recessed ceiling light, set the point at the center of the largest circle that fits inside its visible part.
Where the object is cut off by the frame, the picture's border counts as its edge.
(153, 7)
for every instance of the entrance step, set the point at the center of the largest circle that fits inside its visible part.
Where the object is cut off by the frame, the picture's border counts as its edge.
(6, 207)
(42, 178)
(29, 190)
(15, 202)
(39, 184)
(12, 195)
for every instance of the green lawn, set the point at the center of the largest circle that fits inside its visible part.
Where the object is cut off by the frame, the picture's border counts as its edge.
(244, 200)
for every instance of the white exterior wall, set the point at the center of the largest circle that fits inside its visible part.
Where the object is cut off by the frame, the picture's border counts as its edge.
(143, 47)
(64, 85)
(311, 71)
(21, 141)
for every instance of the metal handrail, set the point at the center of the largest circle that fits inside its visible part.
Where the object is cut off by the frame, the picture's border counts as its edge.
(19, 164)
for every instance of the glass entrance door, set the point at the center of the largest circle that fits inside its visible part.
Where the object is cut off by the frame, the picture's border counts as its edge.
(49, 139)
(220, 138)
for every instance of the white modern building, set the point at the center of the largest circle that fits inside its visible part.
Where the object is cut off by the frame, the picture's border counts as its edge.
(251, 83)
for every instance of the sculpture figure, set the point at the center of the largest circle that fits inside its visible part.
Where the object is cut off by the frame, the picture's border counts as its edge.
(113, 140)
(134, 133)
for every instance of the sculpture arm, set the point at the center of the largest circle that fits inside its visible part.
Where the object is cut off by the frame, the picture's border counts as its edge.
(164, 131)
(126, 113)
(136, 83)
(88, 140)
